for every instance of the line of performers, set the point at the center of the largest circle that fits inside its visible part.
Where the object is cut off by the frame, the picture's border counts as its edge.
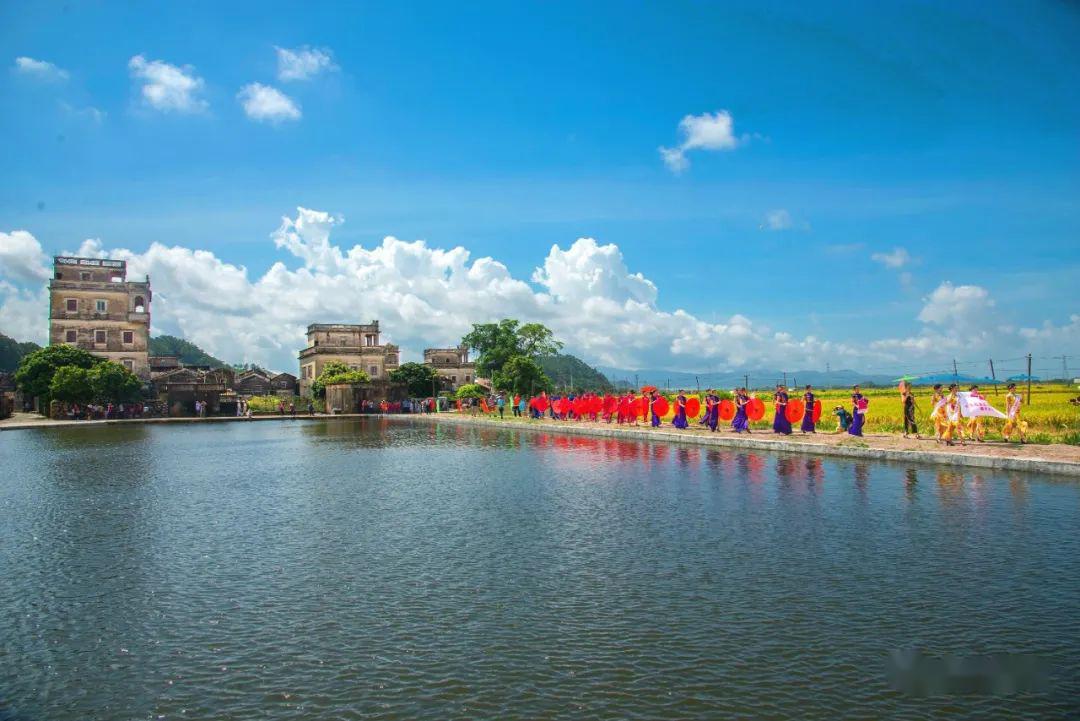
(740, 410)
(950, 423)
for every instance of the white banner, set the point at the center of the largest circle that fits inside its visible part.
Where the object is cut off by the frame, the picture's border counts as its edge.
(972, 406)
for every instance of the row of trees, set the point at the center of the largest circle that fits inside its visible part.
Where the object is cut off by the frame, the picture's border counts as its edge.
(69, 374)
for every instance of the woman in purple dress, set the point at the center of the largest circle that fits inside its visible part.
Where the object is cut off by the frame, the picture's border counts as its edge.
(712, 410)
(858, 412)
(740, 422)
(780, 422)
(679, 421)
(808, 415)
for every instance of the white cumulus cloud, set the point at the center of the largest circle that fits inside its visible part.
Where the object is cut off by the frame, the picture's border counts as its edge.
(21, 257)
(303, 63)
(427, 296)
(708, 131)
(957, 306)
(267, 104)
(168, 88)
(40, 70)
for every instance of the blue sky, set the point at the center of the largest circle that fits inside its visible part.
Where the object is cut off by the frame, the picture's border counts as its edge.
(942, 139)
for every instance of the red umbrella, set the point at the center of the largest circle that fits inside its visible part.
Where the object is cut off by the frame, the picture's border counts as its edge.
(755, 409)
(795, 410)
(817, 411)
(611, 404)
(660, 406)
(635, 406)
(596, 405)
(726, 410)
(693, 407)
(648, 389)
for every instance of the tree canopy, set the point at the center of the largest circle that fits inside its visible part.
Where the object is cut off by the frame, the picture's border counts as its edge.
(497, 343)
(337, 372)
(471, 390)
(71, 384)
(507, 353)
(521, 374)
(422, 380)
(35, 373)
(113, 383)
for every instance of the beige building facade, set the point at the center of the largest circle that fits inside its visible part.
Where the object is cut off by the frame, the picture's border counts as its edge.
(452, 365)
(357, 346)
(93, 306)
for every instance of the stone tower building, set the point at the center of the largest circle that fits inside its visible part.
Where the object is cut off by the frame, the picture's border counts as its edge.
(93, 306)
(357, 346)
(452, 365)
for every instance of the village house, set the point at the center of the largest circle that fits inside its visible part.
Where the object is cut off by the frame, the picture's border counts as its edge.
(93, 306)
(452, 364)
(357, 346)
(258, 382)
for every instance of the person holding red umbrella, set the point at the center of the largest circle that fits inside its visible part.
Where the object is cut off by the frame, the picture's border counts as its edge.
(679, 421)
(712, 410)
(740, 422)
(653, 398)
(780, 422)
(808, 416)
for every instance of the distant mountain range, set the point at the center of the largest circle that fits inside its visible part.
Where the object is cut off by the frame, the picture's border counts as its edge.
(567, 371)
(758, 378)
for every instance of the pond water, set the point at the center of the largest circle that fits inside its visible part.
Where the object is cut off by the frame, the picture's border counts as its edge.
(397, 569)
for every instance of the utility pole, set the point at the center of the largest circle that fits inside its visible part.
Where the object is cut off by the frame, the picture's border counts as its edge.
(636, 386)
(992, 376)
(697, 383)
(785, 379)
(1029, 380)
(746, 381)
(827, 370)
(956, 375)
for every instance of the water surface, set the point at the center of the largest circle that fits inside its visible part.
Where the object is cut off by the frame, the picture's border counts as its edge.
(367, 568)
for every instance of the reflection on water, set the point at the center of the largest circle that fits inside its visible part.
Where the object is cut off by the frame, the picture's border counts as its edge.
(396, 569)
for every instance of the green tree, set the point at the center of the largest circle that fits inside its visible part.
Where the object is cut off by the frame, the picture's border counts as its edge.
(113, 383)
(471, 390)
(71, 384)
(35, 373)
(536, 339)
(335, 372)
(496, 343)
(333, 368)
(523, 375)
(422, 380)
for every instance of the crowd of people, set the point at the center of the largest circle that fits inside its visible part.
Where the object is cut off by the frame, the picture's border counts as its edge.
(742, 408)
(709, 410)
